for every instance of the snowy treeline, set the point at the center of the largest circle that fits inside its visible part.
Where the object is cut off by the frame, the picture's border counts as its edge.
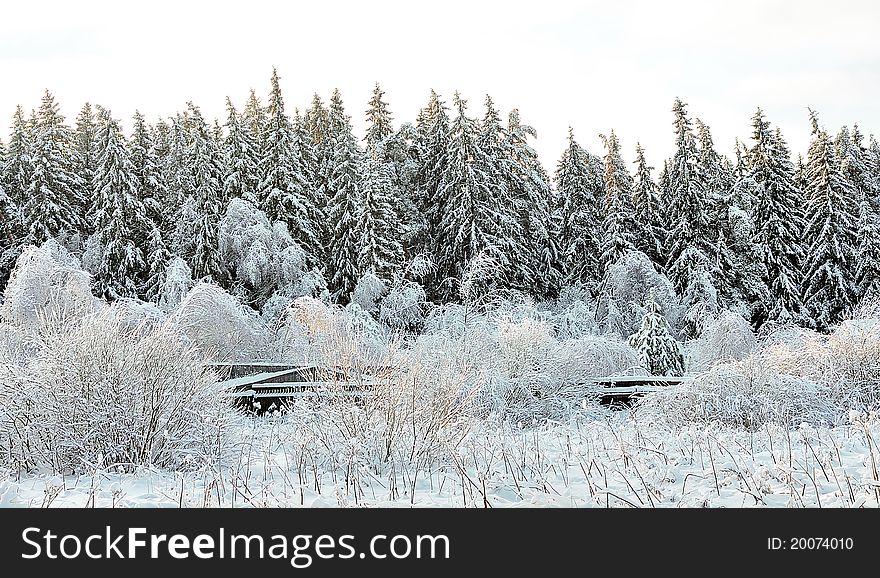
(453, 207)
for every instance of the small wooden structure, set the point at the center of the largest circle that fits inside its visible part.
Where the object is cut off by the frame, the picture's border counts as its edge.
(260, 387)
(623, 390)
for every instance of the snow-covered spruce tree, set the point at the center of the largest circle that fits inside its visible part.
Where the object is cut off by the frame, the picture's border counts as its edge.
(285, 192)
(618, 225)
(157, 256)
(649, 232)
(873, 155)
(10, 244)
(8, 216)
(538, 210)
(659, 352)
(16, 169)
(379, 123)
(149, 181)
(856, 164)
(207, 171)
(51, 205)
(345, 187)
(719, 178)
(85, 158)
(241, 159)
(432, 128)
(868, 254)
(379, 226)
(699, 299)
(316, 123)
(829, 287)
(580, 186)
(496, 164)
(470, 223)
(254, 120)
(687, 213)
(398, 150)
(178, 176)
(744, 271)
(779, 223)
(119, 215)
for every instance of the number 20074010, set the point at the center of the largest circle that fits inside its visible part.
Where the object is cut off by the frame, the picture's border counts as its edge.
(800, 543)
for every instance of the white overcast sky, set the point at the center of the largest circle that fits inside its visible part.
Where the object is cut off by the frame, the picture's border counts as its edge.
(594, 65)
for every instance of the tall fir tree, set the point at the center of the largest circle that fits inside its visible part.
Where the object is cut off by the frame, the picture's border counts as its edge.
(856, 166)
(829, 287)
(206, 174)
(149, 181)
(779, 223)
(618, 227)
(432, 127)
(379, 123)
(581, 189)
(378, 226)
(719, 177)
(345, 187)
(85, 158)
(494, 162)
(285, 192)
(537, 209)
(52, 202)
(241, 159)
(15, 174)
(470, 224)
(316, 123)
(688, 218)
(119, 214)
(646, 212)
(868, 253)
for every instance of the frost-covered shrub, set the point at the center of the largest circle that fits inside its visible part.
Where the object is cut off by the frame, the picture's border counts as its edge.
(176, 284)
(745, 394)
(729, 337)
(575, 361)
(312, 331)
(262, 258)
(135, 315)
(46, 282)
(852, 369)
(577, 319)
(548, 380)
(404, 308)
(367, 293)
(220, 325)
(628, 282)
(99, 393)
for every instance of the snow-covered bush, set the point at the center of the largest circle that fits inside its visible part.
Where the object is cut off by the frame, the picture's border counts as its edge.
(578, 319)
(177, 283)
(746, 394)
(262, 258)
(312, 331)
(100, 393)
(729, 337)
(627, 284)
(367, 293)
(795, 376)
(222, 328)
(405, 307)
(46, 285)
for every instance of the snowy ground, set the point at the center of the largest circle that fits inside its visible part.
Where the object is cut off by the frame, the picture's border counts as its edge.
(614, 461)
